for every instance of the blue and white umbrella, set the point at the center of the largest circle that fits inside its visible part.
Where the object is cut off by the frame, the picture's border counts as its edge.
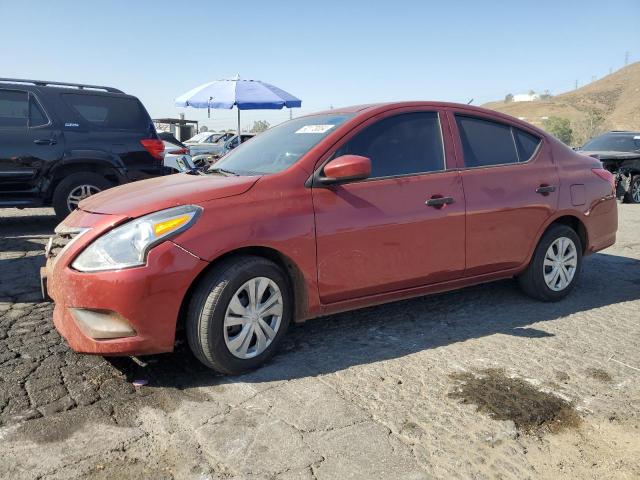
(243, 94)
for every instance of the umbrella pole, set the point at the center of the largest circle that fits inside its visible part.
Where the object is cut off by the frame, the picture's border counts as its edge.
(239, 136)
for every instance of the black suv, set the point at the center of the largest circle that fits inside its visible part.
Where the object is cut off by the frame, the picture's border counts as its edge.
(61, 142)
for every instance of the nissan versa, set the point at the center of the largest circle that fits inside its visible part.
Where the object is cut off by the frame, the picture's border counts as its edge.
(322, 214)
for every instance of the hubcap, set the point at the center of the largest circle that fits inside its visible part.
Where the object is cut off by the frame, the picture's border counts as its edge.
(560, 264)
(253, 317)
(80, 193)
(635, 191)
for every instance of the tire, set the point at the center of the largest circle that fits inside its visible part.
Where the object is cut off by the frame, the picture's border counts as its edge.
(93, 182)
(532, 280)
(633, 195)
(210, 339)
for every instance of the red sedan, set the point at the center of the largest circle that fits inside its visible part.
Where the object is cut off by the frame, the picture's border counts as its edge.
(325, 213)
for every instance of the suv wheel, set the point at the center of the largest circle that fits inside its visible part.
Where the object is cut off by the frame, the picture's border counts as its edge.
(633, 196)
(555, 265)
(238, 314)
(74, 188)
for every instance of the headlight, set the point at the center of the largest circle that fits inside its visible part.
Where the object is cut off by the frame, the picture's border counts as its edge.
(127, 245)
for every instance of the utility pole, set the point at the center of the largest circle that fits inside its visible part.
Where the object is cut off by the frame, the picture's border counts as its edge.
(610, 70)
(576, 84)
(626, 58)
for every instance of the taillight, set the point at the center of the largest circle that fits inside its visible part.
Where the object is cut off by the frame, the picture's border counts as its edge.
(605, 175)
(180, 151)
(154, 146)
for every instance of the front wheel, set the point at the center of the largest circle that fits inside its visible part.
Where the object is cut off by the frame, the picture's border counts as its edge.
(74, 188)
(555, 265)
(238, 314)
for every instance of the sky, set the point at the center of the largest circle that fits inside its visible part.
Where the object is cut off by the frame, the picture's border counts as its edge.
(327, 53)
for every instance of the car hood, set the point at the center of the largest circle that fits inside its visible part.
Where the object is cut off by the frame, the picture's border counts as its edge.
(146, 196)
(611, 155)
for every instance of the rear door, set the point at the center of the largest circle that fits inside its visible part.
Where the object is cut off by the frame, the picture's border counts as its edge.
(29, 141)
(511, 189)
(380, 235)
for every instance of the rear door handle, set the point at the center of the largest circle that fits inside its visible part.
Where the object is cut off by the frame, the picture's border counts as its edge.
(439, 202)
(545, 189)
(45, 141)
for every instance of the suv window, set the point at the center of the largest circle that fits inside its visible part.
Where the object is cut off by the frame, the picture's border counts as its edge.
(14, 108)
(400, 145)
(486, 143)
(117, 113)
(37, 118)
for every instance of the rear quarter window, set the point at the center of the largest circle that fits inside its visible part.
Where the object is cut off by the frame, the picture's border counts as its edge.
(526, 143)
(109, 112)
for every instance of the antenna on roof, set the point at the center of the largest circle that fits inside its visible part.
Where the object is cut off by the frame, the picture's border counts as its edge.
(469, 102)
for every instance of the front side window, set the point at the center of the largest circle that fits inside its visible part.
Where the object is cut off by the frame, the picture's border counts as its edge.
(109, 112)
(14, 108)
(486, 143)
(404, 144)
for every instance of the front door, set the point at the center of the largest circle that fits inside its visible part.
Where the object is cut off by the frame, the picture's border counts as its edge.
(380, 235)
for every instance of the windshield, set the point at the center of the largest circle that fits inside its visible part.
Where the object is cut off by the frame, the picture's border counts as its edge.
(614, 143)
(280, 147)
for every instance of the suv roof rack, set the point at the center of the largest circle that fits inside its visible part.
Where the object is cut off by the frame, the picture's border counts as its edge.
(42, 83)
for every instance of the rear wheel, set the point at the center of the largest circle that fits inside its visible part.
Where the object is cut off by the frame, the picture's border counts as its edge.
(238, 314)
(633, 196)
(555, 265)
(74, 188)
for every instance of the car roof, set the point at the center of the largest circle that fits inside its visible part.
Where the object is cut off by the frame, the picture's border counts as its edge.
(375, 108)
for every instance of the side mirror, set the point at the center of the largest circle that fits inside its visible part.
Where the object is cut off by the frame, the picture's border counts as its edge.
(346, 168)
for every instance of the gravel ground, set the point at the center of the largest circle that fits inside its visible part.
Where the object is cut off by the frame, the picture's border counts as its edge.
(377, 393)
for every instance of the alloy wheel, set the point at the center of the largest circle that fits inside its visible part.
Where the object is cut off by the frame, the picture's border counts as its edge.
(635, 191)
(253, 317)
(80, 193)
(560, 263)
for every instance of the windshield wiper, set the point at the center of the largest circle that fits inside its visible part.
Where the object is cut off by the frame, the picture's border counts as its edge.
(226, 173)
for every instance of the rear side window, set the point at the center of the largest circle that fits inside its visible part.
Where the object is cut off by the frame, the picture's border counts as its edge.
(404, 144)
(37, 118)
(487, 143)
(14, 108)
(109, 112)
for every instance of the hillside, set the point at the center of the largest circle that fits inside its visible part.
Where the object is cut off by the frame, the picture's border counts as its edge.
(616, 97)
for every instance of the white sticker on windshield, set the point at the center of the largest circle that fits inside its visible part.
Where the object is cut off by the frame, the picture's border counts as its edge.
(637, 137)
(315, 129)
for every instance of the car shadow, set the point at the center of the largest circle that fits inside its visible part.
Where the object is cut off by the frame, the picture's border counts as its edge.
(338, 342)
(22, 242)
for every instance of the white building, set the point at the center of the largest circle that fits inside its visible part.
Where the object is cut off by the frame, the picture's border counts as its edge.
(526, 97)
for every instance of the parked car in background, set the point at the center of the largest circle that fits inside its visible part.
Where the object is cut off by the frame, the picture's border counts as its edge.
(204, 161)
(62, 142)
(207, 143)
(176, 154)
(233, 142)
(326, 213)
(619, 152)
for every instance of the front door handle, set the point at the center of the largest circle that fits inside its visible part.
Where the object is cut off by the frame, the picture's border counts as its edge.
(439, 202)
(545, 189)
(45, 141)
